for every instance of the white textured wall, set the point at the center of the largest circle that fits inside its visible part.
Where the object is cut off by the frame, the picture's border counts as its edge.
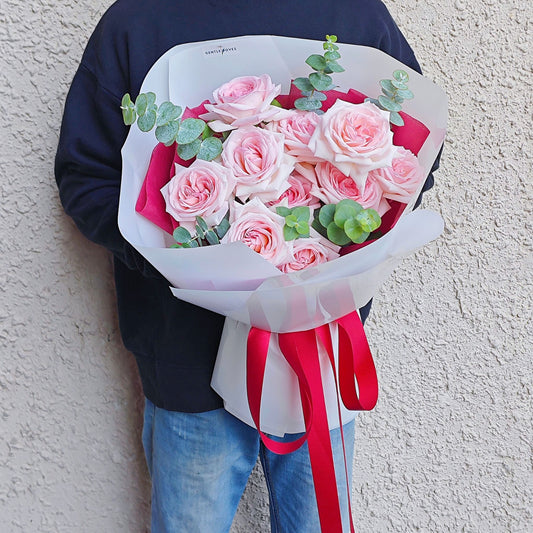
(448, 449)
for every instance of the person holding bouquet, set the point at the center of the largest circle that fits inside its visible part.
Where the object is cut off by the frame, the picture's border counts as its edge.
(199, 456)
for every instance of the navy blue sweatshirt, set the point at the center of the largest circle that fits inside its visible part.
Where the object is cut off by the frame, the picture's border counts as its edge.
(175, 343)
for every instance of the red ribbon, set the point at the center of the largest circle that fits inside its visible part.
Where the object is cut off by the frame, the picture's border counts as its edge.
(300, 349)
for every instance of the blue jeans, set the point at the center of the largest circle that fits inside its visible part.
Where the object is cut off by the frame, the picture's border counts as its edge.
(200, 462)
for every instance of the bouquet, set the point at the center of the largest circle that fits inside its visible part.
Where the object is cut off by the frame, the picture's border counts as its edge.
(282, 201)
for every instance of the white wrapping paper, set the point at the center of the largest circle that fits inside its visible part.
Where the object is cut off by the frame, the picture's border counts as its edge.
(233, 280)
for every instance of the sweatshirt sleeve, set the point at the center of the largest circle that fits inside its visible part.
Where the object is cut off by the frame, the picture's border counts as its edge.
(88, 164)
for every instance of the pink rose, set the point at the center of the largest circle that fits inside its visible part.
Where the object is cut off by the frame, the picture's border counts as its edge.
(297, 128)
(310, 252)
(400, 181)
(203, 189)
(298, 193)
(356, 138)
(258, 162)
(241, 102)
(260, 229)
(334, 186)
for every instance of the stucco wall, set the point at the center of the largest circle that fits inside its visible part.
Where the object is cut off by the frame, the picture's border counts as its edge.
(448, 447)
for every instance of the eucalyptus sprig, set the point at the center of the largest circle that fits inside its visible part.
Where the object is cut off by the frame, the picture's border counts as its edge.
(296, 221)
(395, 92)
(320, 80)
(346, 222)
(204, 234)
(194, 138)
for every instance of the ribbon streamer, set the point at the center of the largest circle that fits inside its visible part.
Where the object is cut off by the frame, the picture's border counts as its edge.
(357, 387)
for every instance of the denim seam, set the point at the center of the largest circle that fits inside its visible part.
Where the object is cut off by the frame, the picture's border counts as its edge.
(274, 511)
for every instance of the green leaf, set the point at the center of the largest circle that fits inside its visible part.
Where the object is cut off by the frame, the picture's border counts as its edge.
(303, 229)
(332, 56)
(320, 97)
(147, 121)
(331, 38)
(303, 84)
(337, 236)
(181, 235)
(275, 103)
(141, 104)
(211, 237)
(188, 151)
(372, 101)
(222, 228)
(129, 116)
(355, 232)
(317, 226)
(319, 81)
(369, 220)
(190, 129)
(400, 75)
(399, 85)
(307, 104)
(291, 221)
(201, 222)
(289, 233)
(326, 214)
(387, 87)
(345, 210)
(406, 94)
(166, 133)
(210, 149)
(168, 112)
(283, 211)
(333, 66)
(193, 244)
(302, 213)
(396, 119)
(388, 104)
(316, 62)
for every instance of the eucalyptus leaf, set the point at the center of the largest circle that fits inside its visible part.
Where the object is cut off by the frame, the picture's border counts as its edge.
(188, 151)
(337, 235)
(150, 98)
(320, 81)
(210, 148)
(355, 232)
(283, 211)
(181, 235)
(332, 56)
(388, 104)
(166, 133)
(302, 213)
(141, 104)
(401, 75)
(369, 220)
(129, 116)
(396, 119)
(303, 84)
(212, 237)
(289, 233)
(303, 229)
(326, 214)
(333, 66)
(406, 94)
(399, 85)
(387, 85)
(316, 62)
(202, 224)
(222, 228)
(307, 104)
(291, 221)
(147, 121)
(168, 112)
(190, 129)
